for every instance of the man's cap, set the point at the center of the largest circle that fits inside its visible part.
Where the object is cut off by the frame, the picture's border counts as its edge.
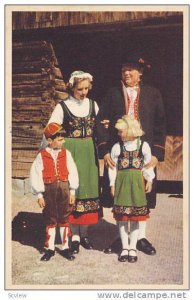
(136, 62)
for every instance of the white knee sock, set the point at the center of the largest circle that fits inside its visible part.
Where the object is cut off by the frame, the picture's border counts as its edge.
(83, 231)
(134, 230)
(64, 233)
(142, 230)
(75, 232)
(50, 238)
(123, 231)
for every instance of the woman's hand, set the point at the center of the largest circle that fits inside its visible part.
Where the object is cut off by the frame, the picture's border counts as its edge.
(148, 187)
(41, 202)
(153, 163)
(112, 191)
(72, 199)
(108, 162)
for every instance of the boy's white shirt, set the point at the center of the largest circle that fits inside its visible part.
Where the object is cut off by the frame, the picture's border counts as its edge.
(131, 146)
(36, 178)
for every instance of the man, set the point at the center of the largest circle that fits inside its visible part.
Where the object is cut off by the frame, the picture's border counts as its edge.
(144, 103)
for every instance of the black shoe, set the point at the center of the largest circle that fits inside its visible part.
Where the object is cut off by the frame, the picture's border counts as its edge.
(132, 258)
(48, 254)
(146, 247)
(123, 258)
(75, 247)
(86, 243)
(108, 250)
(67, 253)
(115, 247)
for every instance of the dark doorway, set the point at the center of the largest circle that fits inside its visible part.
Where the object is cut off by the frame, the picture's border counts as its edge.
(102, 54)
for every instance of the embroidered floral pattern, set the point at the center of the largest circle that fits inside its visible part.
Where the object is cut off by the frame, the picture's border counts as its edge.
(130, 210)
(82, 206)
(136, 163)
(130, 160)
(81, 127)
(124, 163)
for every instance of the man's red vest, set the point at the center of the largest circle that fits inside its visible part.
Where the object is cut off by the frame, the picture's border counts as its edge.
(51, 173)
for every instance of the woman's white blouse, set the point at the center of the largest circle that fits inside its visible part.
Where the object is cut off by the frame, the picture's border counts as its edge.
(131, 146)
(79, 108)
(36, 179)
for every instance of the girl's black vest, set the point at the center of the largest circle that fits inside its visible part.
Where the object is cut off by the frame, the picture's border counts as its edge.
(131, 159)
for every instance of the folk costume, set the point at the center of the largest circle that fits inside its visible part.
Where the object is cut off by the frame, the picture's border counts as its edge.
(54, 176)
(78, 119)
(148, 108)
(130, 201)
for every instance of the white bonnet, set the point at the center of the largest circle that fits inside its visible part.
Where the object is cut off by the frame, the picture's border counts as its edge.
(79, 75)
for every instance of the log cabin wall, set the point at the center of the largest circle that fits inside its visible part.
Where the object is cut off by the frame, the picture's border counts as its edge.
(37, 85)
(30, 20)
(172, 167)
(38, 81)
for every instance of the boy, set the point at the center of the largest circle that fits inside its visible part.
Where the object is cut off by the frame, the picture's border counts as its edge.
(54, 179)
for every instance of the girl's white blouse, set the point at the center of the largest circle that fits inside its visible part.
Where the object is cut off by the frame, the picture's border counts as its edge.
(131, 146)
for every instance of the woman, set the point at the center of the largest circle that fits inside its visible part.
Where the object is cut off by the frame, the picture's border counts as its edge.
(77, 115)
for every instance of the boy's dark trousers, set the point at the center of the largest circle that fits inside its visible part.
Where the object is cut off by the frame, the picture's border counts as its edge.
(57, 208)
(56, 211)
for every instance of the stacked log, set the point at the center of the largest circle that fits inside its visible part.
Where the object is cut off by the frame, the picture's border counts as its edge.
(37, 85)
(172, 167)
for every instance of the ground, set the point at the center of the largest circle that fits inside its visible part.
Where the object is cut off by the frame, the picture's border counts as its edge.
(92, 269)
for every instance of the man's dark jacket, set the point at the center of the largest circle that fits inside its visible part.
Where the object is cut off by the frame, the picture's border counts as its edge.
(152, 119)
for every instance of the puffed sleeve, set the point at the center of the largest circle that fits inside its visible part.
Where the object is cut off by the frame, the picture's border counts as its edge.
(57, 115)
(96, 108)
(114, 155)
(73, 173)
(36, 179)
(147, 173)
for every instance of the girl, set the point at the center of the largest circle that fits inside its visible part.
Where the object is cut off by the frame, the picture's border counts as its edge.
(127, 184)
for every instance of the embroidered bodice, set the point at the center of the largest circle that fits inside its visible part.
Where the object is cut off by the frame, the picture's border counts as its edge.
(130, 159)
(78, 127)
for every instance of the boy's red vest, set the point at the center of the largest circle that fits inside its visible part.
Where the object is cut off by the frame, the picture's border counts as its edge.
(51, 173)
